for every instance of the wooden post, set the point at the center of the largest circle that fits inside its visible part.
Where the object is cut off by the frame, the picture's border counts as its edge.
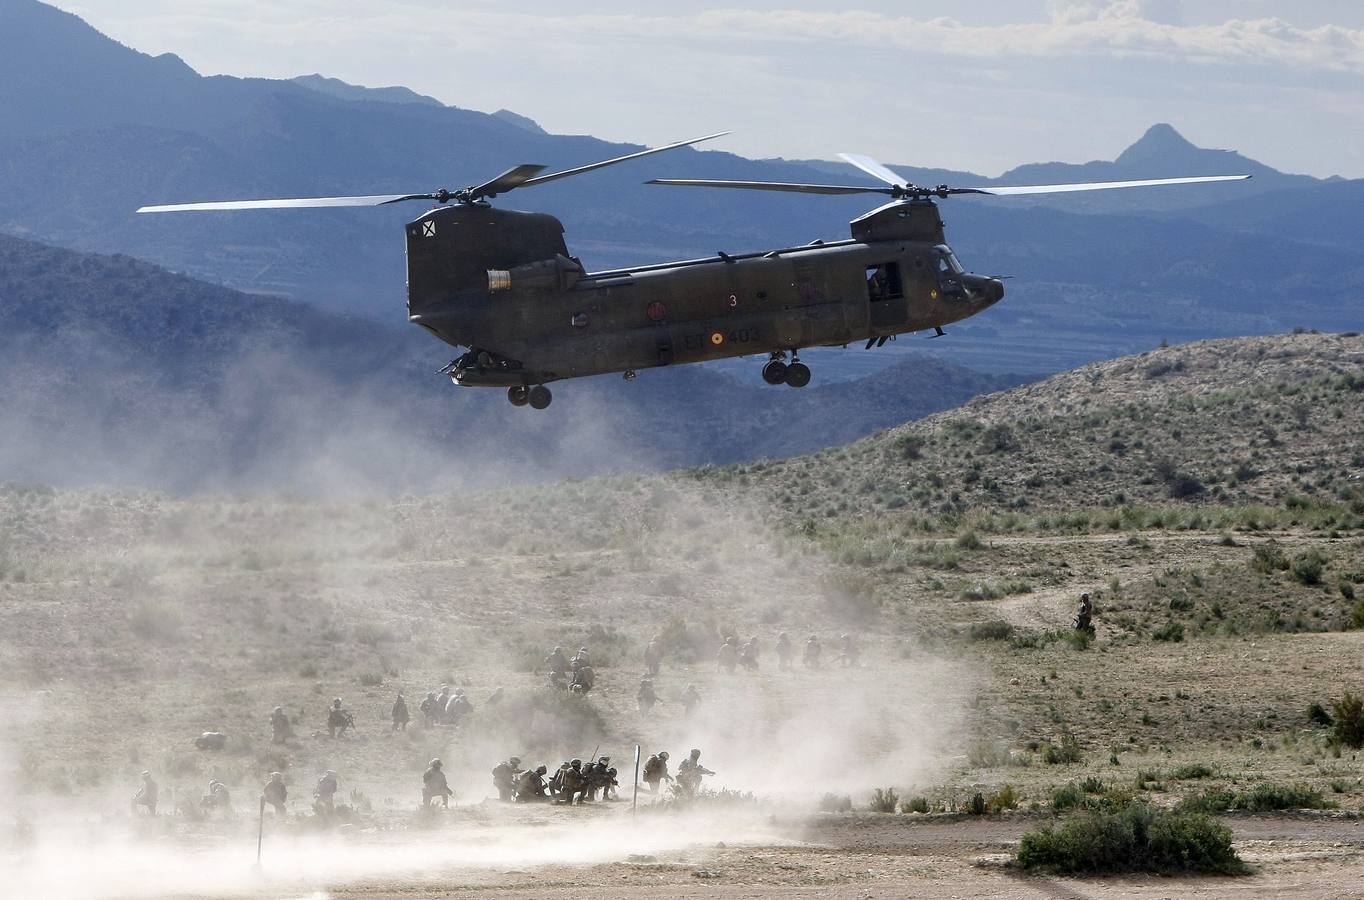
(634, 801)
(260, 830)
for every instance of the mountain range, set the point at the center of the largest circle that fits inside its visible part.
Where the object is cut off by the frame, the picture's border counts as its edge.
(91, 129)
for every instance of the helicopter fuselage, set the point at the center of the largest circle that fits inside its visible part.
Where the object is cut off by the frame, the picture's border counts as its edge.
(501, 283)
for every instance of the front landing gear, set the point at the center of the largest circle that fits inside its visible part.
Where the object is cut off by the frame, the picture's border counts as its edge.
(537, 397)
(797, 374)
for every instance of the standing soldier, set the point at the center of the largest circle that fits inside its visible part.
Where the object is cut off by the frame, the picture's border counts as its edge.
(646, 696)
(748, 656)
(442, 701)
(556, 663)
(689, 774)
(690, 699)
(847, 652)
(812, 650)
(784, 652)
(338, 720)
(458, 707)
(325, 792)
(434, 785)
(728, 657)
(1083, 617)
(656, 770)
(400, 715)
(146, 795)
(280, 730)
(504, 778)
(580, 659)
(428, 708)
(653, 656)
(217, 800)
(275, 793)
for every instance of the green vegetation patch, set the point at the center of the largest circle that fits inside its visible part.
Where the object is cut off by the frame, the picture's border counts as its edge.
(1135, 838)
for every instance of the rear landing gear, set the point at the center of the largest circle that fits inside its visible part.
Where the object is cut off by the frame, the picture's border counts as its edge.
(777, 371)
(537, 397)
(798, 374)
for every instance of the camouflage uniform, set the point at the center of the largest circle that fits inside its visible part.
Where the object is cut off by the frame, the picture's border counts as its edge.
(530, 785)
(338, 720)
(556, 662)
(280, 729)
(276, 794)
(583, 679)
(580, 659)
(653, 657)
(690, 699)
(574, 782)
(458, 707)
(812, 650)
(428, 708)
(748, 656)
(656, 770)
(146, 795)
(504, 778)
(728, 657)
(689, 774)
(434, 785)
(400, 715)
(784, 652)
(326, 793)
(646, 696)
(848, 651)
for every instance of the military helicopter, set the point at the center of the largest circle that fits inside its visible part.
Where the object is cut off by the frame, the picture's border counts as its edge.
(502, 284)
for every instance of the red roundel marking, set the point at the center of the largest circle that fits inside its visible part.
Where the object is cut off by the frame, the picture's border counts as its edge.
(656, 311)
(717, 338)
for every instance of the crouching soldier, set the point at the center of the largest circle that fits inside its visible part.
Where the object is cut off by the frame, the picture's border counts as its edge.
(530, 785)
(656, 770)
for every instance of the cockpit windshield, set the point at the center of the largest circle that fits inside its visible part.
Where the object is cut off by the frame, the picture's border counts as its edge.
(947, 260)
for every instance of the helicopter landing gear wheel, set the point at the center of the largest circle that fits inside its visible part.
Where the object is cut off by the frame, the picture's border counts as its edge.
(798, 375)
(539, 397)
(775, 372)
(518, 395)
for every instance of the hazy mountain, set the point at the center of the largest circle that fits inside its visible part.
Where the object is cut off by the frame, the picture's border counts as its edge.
(85, 143)
(118, 371)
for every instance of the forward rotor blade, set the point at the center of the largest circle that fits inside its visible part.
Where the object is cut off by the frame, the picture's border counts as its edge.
(773, 186)
(555, 176)
(1100, 185)
(874, 169)
(300, 203)
(508, 180)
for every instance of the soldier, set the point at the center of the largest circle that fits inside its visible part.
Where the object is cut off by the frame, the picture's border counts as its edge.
(728, 657)
(848, 652)
(690, 699)
(784, 652)
(458, 707)
(530, 785)
(400, 715)
(656, 770)
(558, 681)
(646, 696)
(583, 679)
(580, 660)
(1082, 618)
(146, 795)
(812, 650)
(504, 778)
(442, 701)
(428, 708)
(276, 794)
(217, 800)
(748, 656)
(280, 729)
(611, 788)
(434, 785)
(653, 657)
(556, 781)
(574, 782)
(689, 774)
(598, 778)
(338, 720)
(556, 662)
(325, 792)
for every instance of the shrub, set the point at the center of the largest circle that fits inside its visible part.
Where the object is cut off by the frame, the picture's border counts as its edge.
(1268, 558)
(994, 630)
(1135, 838)
(1349, 725)
(1307, 567)
(1191, 772)
(1270, 797)
(1067, 752)
(1004, 798)
(1067, 796)
(157, 620)
(1357, 615)
(1317, 715)
(884, 801)
(915, 805)
(969, 540)
(1170, 631)
(371, 679)
(835, 803)
(911, 446)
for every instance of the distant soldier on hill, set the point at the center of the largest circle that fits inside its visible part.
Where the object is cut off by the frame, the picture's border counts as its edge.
(784, 652)
(400, 714)
(580, 660)
(442, 701)
(325, 792)
(728, 656)
(146, 795)
(847, 651)
(812, 651)
(434, 785)
(280, 729)
(556, 662)
(217, 800)
(646, 696)
(458, 707)
(653, 656)
(656, 770)
(428, 708)
(690, 700)
(276, 794)
(1083, 617)
(748, 655)
(584, 678)
(338, 720)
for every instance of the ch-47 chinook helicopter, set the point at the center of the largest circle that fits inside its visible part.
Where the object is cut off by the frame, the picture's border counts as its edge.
(502, 284)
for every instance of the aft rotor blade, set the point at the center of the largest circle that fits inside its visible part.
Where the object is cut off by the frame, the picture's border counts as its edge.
(512, 178)
(874, 169)
(774, 186)
(1100, 185)
(554, 176)
(300, 203)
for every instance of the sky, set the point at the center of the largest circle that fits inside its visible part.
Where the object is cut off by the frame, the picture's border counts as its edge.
(997, 84)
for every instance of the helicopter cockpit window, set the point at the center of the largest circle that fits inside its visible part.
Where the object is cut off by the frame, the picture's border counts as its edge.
(949, 272)
(947, 260)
